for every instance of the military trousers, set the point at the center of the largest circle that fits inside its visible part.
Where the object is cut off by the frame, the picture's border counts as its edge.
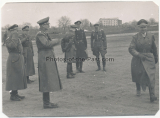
(69, 68)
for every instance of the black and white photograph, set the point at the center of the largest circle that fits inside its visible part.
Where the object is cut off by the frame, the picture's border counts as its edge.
(80, 58)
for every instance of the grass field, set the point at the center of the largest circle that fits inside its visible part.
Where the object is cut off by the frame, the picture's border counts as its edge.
(110, 93)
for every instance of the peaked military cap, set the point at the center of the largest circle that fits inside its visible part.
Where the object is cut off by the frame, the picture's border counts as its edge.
(25, 28)
(73, 26)
(12, 27)
(43, 21)
(96, 24)
(77, 22)
(142, 21)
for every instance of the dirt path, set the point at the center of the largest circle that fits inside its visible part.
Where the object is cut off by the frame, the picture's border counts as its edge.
(110, 93)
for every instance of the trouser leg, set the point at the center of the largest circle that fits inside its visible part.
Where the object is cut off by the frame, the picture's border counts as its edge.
(138, 86)
(77, 64)
(14, 92)
(68, 67)
(98, 62)
(104, 61)
(81, 64)
(152, 92)
(71, 69)
(46, 98)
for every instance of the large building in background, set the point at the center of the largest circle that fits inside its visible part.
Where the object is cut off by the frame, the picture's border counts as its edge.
(110, 21)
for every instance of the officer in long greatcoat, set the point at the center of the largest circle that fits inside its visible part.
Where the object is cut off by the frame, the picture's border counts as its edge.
(28, 53)
(15, 74)
(68, 47)
(144, 52)
(81, 46)
(99, 46)
(49, 80)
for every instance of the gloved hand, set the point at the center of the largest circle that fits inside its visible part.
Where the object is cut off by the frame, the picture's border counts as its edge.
(142, 57)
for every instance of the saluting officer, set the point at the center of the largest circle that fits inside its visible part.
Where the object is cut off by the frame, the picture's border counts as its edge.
(15, 74)
(28, 53)
(49, 80)
(68, 46)
(99, 45)
(81, 46)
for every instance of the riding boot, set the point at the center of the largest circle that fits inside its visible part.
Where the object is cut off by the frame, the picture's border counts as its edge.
(98, 64)
(138, 89)
(71, 70)
(152, 94)
(104, 64)
(77, 66)
(14, 96)
(81, 64)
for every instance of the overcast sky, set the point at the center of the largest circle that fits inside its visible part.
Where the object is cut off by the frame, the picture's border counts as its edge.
(17, 13)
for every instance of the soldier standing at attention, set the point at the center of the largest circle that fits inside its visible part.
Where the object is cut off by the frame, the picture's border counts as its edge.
(99, 45)
(49, 80)
(81, 46)
(28, 53)
(15, 75)
(68, 46)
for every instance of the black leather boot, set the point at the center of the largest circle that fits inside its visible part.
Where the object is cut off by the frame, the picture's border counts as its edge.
(81, 64)
(71, 70)
(77, 66)
(99, 67)
(104, 64)
(46, 101)
(138, 89)
(152, 94)
(69, 76)
(14, 96)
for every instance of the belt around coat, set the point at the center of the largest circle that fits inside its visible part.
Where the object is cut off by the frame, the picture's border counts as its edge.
(50, 49)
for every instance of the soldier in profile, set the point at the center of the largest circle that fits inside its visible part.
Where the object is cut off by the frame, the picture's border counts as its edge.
(99, 46)
(15, 74)
(68, 47)
(81, 46)
(28, 53)
(49, 79)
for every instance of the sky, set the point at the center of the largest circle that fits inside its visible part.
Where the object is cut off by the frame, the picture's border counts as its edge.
(18, 13)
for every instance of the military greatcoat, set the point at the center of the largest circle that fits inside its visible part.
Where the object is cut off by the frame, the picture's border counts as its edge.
(28, 54)
(15, 74)
(143, 72)
(49, 79)
(81, 44)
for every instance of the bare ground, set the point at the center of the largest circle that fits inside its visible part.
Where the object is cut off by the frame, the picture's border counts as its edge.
(110, 93)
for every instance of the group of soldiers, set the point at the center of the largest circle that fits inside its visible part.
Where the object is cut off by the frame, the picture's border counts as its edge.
(20, 64)
(74, 45)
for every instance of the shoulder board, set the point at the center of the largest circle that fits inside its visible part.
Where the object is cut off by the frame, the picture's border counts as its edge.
(40, 33)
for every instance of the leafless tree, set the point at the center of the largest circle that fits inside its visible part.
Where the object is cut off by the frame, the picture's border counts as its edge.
(152, 21)
(64, 22)
(85, 23)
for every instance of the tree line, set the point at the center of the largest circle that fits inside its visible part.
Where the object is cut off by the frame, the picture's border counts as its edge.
(64, 22)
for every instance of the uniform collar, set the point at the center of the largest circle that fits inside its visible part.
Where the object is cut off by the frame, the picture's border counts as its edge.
(144, 35)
